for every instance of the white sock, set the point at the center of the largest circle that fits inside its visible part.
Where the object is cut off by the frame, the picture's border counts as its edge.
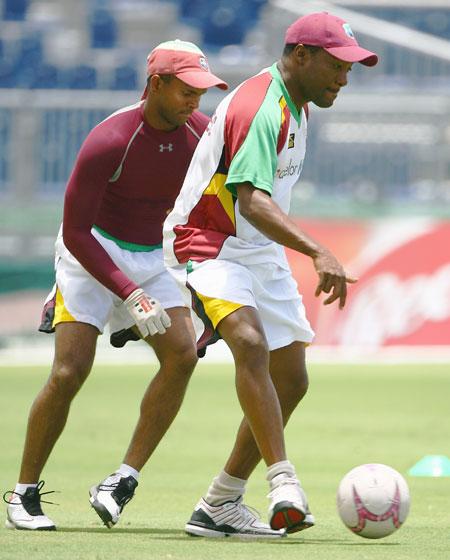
(22, 488)
(225, 488)
(126, 470)
(282, 467)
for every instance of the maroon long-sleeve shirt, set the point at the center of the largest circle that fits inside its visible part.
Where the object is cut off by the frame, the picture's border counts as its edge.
(125, 179)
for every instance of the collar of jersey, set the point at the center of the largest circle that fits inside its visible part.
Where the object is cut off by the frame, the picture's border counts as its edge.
(132, 247)
(292, 108)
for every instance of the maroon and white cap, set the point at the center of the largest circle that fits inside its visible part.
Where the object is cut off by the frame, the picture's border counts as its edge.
(331, 33)
(185, 61)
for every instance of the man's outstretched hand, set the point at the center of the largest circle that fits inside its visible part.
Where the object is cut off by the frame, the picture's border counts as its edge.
(332, 278)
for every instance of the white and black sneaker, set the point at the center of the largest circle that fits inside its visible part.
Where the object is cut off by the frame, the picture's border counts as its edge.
(24, 510)
(110, 497)
(231, 519)
(288, 507)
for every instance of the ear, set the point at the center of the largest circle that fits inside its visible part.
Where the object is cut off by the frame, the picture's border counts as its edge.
(300, 54)
(155, 83)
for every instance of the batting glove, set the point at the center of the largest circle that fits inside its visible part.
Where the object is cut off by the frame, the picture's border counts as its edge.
(147, 312)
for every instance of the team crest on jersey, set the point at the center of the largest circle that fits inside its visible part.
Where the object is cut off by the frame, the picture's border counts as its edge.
(203, 63)
(291, 141)
(168, 147)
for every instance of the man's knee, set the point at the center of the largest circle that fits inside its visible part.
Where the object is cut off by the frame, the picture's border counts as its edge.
(187, 357)
(292, 390)
(250, 347)
(67, 378)
(182, 358)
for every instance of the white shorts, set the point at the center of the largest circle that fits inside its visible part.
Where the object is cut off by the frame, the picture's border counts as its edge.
(78, 296)
(219, 287)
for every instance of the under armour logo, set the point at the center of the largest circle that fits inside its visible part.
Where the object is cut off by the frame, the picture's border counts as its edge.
(167, 147)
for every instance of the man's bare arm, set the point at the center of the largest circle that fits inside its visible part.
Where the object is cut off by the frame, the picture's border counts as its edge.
(265, 215)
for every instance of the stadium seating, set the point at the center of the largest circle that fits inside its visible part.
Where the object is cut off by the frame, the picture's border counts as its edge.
(103, 29)
(224, 24)
(27, 60)
(29, 52)
(82, 76)
(45, 76)
(124, 77)
(28, 63)
(8, 75)
(15, 10)
(398, 155)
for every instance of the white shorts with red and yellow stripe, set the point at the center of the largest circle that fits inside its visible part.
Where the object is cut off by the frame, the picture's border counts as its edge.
(220, 287)
(78, 296)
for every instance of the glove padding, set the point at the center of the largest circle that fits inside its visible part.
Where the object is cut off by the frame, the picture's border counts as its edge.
(147, 312)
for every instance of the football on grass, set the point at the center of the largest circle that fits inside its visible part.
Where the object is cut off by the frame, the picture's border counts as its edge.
(373, 500)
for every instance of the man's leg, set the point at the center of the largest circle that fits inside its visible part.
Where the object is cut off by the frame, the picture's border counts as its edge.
(288, 373)
(243, 332)
(162, 400)
(75, 345)
(290, 378)
(225, 514)
(176, 352)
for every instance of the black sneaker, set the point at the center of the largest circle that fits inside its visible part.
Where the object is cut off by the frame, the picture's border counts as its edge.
(111, 496)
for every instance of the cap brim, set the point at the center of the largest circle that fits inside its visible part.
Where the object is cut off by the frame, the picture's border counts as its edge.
(353, 54)
(201, 80)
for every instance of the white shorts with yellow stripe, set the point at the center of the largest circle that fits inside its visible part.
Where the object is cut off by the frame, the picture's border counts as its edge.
(78, 296)
(219, 287)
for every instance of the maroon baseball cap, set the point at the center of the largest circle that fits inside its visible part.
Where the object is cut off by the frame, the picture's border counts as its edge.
(185, 61)
(331, 33)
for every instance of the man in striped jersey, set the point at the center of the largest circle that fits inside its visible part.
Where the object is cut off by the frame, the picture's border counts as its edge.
(109, 269)
(224, 241)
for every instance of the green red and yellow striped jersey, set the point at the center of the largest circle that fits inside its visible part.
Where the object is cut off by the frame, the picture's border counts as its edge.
(256, 135)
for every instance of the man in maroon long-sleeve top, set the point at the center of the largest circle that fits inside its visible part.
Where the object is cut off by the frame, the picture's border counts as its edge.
(109, 269)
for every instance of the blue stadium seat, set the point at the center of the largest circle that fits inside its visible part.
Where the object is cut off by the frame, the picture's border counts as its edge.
(200, 12)
(8, 74)
(192, 11)
(103, 29)
(15, 10)
(29, 52)
(254, 7)
(225, 23)
(124, 78)
(81, 77)
(45, 76)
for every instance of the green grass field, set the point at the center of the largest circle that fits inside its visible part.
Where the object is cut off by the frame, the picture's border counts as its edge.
(352, 415)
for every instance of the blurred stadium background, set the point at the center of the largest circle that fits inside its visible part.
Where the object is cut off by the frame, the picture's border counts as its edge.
(376, 180)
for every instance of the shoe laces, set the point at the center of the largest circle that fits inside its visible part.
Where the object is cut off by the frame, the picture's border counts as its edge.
(121, 491)
(247, 512)
(31, 500)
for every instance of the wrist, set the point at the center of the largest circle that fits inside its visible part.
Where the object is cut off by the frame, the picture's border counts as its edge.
(129, 289)
(134, 296)
(315, 252)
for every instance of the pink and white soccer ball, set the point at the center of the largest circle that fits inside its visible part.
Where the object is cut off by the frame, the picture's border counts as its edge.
(373, 500)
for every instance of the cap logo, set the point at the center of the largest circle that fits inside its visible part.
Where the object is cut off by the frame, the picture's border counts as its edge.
(203, 63)
(348, 30)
